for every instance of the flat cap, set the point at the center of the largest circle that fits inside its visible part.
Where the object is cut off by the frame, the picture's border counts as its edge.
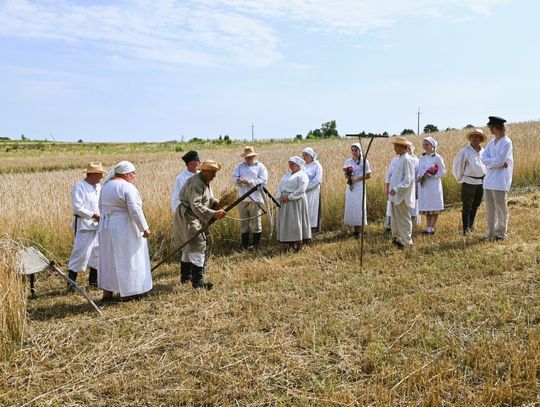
(495, 120)
(191, 156)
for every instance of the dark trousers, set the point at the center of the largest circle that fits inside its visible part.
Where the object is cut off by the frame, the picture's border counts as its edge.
(471, 197)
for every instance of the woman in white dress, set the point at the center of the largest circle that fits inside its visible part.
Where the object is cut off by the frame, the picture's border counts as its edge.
(430, 194)
(293, 225)
(353, 192)
(314, 171)
(124, 264)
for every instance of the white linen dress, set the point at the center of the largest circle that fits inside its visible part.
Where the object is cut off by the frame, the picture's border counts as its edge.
(293, 220)
(314, 172)
(124, 263)
(353, 199)
(430, 194)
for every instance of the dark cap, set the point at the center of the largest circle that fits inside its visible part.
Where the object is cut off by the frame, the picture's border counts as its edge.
(191, 156)
(496, 121)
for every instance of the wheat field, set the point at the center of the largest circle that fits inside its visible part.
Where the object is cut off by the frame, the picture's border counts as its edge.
(451, 322)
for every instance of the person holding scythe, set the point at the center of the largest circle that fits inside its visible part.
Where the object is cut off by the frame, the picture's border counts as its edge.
(197, 208)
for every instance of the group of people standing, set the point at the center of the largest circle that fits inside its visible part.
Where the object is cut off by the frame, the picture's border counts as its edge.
(111, 230)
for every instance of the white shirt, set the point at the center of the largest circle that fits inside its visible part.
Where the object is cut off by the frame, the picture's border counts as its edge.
(256, 173)
(494, 156)
(402, 180)
(85, 199)
(179, 182)
(314, 172)
(293, 185)
(468, 167)
(122, 197)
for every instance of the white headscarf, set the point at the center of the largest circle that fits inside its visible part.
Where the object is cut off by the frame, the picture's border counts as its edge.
(311, 152)
(359, 147)
(432, 141)
(298, 161)
(123, 167)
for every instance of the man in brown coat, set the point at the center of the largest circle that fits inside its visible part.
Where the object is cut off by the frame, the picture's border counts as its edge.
(195, 211)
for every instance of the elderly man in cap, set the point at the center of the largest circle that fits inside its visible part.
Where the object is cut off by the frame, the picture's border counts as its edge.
(246, 175)
(401, 193)
(84, 199)
(192, 160)
(197, 208)
(499, 161)
(124, 263)
(469, 171)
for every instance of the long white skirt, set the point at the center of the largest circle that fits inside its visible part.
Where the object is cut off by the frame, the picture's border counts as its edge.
(314, 206)
(293, 221)
(353, 205)
(85, 252)
(124, 263)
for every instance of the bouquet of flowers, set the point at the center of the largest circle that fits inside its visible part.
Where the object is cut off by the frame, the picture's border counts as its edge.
(348, 171)
(430, 172)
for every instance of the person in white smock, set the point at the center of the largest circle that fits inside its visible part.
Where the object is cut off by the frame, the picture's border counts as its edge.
(498, 157)
(469, 171)
(314, 171)
(124, 263)
(430, 194)
(293, 225)
(353, 168)
(192, 160)
(401, 193)
(84, 200)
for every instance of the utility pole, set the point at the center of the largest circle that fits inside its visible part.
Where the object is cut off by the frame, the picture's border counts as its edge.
(418, 123)
(252, 137)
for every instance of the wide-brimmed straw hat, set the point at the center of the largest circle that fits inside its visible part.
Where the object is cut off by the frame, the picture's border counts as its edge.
(402, 141)
(209, 165)
(476, 132)
(249, 152)
(95, 168)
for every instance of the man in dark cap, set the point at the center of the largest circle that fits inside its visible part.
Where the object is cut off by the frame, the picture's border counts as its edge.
(192, 160)
(499, 161)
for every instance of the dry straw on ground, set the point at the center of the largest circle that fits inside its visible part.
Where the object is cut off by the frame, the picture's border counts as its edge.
(12, 299)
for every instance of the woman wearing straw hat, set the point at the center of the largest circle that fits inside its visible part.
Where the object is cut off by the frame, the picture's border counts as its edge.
(314, 171)
(85, 200)
(124, 263)
(293, 225)
(354, 198)
(430, 195)
(246, 175)
(401, 193)
(469, 171)
(196, 209)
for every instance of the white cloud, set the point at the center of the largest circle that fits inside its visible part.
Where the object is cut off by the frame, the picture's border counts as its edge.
(211, 32)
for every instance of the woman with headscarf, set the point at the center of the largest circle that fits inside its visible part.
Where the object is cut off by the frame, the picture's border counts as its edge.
(293, 225)
(314, 171)
(354, 199)
(430, 194)
(124, 264)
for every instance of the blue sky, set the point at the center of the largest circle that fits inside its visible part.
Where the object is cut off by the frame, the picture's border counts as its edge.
(145, 70)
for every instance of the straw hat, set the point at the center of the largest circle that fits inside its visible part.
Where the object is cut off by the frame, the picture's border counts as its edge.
(209, 165)
(249, 152)
(402, 141)
(95, 168)
(474, 133)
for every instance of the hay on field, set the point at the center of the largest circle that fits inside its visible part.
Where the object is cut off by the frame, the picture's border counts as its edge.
(12, 298)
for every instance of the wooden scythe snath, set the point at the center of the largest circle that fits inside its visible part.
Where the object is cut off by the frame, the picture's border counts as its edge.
(205, 227)
(364, 202)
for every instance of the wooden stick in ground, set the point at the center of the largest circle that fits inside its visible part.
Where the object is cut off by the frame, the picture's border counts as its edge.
(227, 209)
(53, 267)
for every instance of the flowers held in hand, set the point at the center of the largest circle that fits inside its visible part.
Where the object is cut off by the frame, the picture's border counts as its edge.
(348, 171)
(430, 172)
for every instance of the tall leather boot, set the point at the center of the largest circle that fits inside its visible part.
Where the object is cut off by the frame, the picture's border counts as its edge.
(73, 277)
(256, 241)
(245, 241)
(185, 272)
(197, 280)
(92, 277)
